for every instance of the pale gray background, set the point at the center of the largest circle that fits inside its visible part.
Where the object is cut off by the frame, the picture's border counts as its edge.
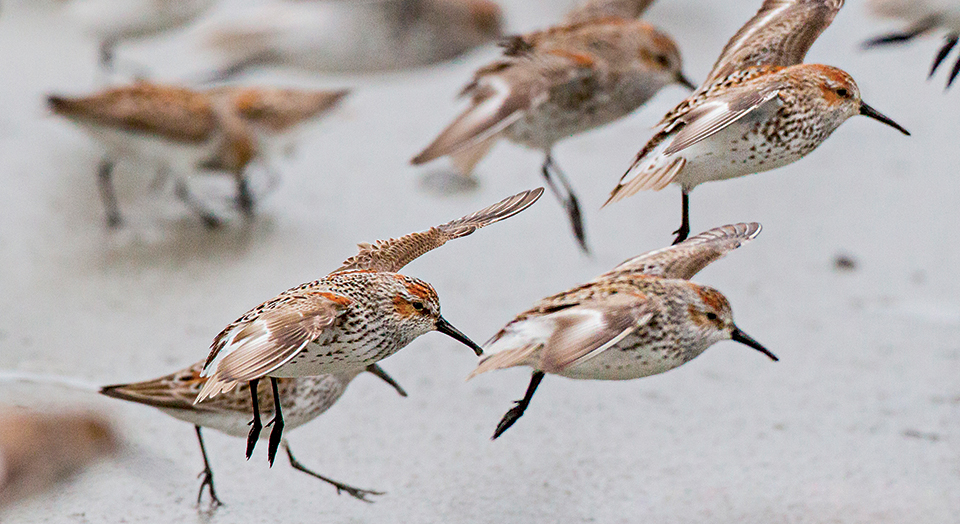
(859, 422)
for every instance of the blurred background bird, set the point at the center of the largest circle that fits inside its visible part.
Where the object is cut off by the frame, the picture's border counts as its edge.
(347, 36)
(41, 450)
(180, 131)
(553, 84)
(304, 400)
(111, 22)
(921, 17)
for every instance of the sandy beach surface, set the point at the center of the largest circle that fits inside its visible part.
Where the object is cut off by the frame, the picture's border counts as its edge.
(858, 423)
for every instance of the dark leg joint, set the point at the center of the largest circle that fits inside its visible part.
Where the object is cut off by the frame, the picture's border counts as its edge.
(517, 411)
(255, 424)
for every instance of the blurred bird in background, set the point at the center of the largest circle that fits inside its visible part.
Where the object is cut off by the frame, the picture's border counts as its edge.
(921, 17)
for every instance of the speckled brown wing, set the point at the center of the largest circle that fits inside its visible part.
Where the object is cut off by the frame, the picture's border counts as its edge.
(391, 255)
(687, 258)
(179, 389)
(594, 9)
(584, 331)
(780, 34)
(268, 337)
(175, 113)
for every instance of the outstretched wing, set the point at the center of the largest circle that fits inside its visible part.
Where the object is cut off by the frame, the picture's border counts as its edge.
(253, 347)
(687, 258)
(780, 34)
(594, 9)
(391, 255)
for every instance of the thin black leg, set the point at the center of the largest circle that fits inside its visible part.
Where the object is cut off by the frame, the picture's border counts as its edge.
(207, 474)
(277, 432)
(106, 55)
(378, 371)
(942, 54)
(244, 196)
(566, 197)
(684, 230)
(255, 425)
(517, 411)
(953, 73)
(358, 493)
(210, 220)
(107, 195)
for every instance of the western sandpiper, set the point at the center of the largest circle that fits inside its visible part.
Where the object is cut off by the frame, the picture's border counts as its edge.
(185, 131)
(922, 16)
(39, 450)
(304, 399)
(349, 36)
(555, 83)
(759, 109)
(360, 313)
(113, 21)
(642, 318)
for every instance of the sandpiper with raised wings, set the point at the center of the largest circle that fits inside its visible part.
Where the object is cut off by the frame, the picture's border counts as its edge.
(304, 399)
(642, 318)
(552, 84)
(759, 109)
(361, 313)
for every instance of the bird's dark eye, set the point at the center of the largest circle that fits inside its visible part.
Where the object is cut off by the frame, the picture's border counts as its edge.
(843, 93)
(663, 60)
(418, 306)
(711, 316)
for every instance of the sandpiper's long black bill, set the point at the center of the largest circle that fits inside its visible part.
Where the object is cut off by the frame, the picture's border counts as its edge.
(743, 338)
(685, 82)
(447, 329)
(866, 110)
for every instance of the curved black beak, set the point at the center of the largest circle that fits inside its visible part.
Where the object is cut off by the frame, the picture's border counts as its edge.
(866, 110)
(447, 329)
(743, 338)
(685, 82)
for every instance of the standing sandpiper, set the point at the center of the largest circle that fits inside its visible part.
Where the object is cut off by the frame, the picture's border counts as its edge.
(184, 131)
(357, 315)
(553, 84)
(305, 399)
(642, 318)
(759, 109)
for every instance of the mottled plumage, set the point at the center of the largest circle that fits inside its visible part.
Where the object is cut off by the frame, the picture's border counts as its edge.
(355, 316)
(303, 399)
(641, 318)
(553, 84)
(759, 109)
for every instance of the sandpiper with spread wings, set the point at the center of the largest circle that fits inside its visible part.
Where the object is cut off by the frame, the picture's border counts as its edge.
(642, 318)
(759, 109)
(304, 399)
(360, 313)
(549, 85)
